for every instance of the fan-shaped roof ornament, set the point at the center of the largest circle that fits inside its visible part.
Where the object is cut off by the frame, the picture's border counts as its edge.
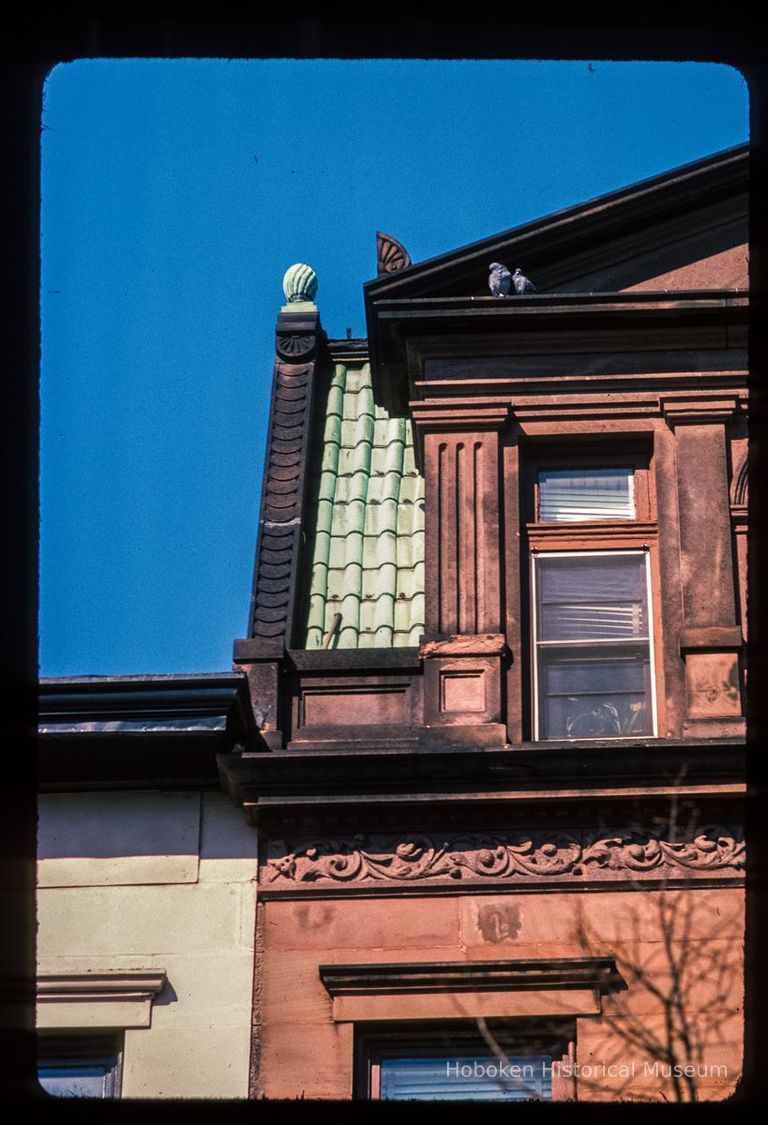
(391, 255)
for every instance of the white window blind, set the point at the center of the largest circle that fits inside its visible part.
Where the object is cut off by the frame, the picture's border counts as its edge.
(472, 1078)
(571, 495)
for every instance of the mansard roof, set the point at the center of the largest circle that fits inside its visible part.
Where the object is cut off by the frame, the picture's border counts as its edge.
(365, 532)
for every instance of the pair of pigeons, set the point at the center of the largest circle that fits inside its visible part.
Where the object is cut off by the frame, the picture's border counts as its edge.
(500, 281)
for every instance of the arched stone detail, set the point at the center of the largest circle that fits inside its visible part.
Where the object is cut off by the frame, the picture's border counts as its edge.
(740, 483)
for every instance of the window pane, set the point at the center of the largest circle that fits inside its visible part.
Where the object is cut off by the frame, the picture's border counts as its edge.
(592, 597)
(475, 1078)
(582, 698)
(75, 1081)
(586, 494)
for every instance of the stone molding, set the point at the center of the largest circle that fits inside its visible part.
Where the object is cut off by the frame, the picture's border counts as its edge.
(481, 644)
(504, 858)
(119, 998)
(446, 415)
(699, 409)
(599, 973)
(570, 986)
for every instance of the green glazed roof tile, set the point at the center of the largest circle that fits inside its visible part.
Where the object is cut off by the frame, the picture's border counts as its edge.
(378, 549)
(367, 523)
(410, 583)
(379, 583)
(324, 516)
(409, 457)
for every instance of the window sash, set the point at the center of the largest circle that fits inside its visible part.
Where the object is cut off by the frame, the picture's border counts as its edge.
(78, 1078)
(618, 711)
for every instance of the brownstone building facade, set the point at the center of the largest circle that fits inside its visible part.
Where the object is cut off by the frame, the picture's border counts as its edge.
(496, 656)
(466, 820)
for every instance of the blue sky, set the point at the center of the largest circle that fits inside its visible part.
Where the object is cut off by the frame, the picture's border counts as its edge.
(175, 193)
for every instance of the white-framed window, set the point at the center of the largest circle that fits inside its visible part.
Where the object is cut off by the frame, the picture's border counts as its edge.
(592, 644)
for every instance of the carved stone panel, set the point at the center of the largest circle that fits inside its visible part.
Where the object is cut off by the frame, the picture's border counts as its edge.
(462, 690)
(712, 680)
(357, 706)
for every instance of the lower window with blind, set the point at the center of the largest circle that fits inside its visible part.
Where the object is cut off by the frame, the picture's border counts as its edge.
(517, 1061)
(593, 672)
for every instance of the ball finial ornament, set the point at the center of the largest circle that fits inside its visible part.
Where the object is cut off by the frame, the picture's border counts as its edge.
(299, 283)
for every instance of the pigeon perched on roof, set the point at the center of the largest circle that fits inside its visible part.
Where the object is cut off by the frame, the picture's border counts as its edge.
(521, 283)
(499, 279)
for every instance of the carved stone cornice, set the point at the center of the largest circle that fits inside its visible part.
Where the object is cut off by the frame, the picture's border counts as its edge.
(508, 859)
(305, 792)
(412, 339)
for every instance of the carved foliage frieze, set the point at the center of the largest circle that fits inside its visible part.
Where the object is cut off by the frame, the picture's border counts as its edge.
(516, 857)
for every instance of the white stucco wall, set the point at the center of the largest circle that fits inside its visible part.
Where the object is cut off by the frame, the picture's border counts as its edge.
(156, 881)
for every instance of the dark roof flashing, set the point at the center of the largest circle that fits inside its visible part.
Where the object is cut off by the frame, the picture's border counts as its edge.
(217, 701)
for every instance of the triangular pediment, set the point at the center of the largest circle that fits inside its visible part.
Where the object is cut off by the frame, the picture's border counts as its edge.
(686, 229)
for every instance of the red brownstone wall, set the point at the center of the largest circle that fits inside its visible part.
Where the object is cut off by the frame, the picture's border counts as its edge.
(692, 938)
(727, 270)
